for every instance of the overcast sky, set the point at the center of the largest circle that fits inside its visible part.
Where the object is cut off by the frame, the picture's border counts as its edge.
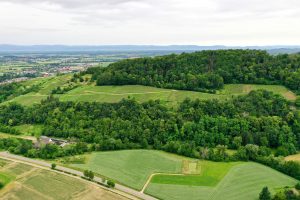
(199, 22)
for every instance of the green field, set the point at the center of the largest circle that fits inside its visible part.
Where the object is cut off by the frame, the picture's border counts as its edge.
(131, 167)
(243, 181)
(31, 183)
(88, 92)
(210, 174)
(176, 177)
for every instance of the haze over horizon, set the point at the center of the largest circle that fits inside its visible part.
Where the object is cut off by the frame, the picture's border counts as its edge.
(155, 22)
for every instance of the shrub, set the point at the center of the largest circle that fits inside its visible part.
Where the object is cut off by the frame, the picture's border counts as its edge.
(53, 166)
(111, 184)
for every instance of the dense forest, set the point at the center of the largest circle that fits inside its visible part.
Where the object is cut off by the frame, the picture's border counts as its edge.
(253, 124)
(260, 118)
(203, 71)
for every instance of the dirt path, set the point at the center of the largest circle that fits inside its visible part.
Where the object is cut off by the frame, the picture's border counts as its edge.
(151, 176)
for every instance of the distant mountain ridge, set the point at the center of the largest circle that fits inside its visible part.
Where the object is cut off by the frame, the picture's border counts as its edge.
(120, 48)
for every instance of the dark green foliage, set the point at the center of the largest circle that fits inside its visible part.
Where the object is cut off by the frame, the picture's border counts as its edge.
(203, 71)
(297, 102)
(64, 90)
(260, 118)
(265, 194)
(111, 184)
(1, 185)
(53, 166)
(297, 186)
(89, 174)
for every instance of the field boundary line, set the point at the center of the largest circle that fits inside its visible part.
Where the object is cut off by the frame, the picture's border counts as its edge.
(154, 174)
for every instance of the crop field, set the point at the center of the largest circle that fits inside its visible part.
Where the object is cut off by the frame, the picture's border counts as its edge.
(111, 94)
(29, 183)
(169, 176)
(131, 167)
(295, 157)
(243, 181)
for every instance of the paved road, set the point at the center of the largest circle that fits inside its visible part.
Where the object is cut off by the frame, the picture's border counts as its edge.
(78, 173)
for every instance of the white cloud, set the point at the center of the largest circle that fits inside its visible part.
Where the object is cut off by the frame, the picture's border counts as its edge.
(203, 22)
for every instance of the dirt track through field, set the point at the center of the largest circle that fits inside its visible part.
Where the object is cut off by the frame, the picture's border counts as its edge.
(151, 176)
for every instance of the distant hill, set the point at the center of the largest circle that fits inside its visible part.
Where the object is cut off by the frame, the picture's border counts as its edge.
(129, 48)
(204, 71)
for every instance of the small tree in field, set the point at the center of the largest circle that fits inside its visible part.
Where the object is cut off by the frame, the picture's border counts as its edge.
(111, 184)
(91, 175)
(265, 194)
(1, 185)
(53, 166)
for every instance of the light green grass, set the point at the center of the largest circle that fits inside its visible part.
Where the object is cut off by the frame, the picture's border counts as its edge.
(131, 167)
(5, 135)
(210, 174)
(5, 178)
(240, 89)
(29, 129)
(112, 94)
(243, 181)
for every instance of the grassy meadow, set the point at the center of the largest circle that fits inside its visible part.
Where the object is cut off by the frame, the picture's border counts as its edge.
(88, 92)
(29, 183)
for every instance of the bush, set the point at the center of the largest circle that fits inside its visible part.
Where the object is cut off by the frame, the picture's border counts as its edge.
(297, 186)
(111, 184)
(1, 185)
(53, 166)
(265, 194)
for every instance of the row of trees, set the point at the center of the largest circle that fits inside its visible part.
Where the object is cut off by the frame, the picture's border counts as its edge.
(203, 71)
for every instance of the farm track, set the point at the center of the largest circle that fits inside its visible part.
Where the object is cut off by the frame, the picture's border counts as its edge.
(151, 176)
(119, 189)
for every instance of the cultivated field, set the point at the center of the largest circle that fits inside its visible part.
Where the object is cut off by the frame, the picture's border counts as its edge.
(243, 181)
(29, 183)
(169, 176)
(131, 167)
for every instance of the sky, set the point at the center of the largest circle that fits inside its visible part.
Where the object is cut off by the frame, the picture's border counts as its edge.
(155, 22)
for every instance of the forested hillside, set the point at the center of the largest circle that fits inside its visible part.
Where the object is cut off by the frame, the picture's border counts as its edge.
(204, 71)
(260, 118)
